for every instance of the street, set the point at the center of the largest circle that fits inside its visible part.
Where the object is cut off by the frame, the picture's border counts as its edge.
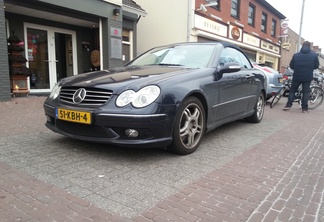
(271, 171)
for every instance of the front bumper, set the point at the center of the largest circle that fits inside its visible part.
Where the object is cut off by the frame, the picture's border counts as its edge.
(154, 130)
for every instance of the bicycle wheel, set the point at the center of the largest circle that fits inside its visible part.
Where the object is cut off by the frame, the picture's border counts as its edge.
(315, 97)
(277, 97)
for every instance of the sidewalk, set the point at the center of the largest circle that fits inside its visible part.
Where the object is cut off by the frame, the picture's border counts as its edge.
(25, 198)
(281, 178)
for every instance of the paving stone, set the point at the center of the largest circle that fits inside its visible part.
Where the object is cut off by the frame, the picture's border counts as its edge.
(272, 171)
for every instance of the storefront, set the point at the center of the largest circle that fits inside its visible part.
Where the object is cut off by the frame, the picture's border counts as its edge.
(61, 40)
(256, 49)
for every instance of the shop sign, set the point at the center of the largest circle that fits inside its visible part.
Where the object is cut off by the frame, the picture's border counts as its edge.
(235, 33)
(210, 26)
(115, 32)
(116, 48)
(284, 28)
(270, 47)
(285, 45)
(251, 40)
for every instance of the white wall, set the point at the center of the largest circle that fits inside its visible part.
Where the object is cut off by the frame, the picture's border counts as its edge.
(166, 22)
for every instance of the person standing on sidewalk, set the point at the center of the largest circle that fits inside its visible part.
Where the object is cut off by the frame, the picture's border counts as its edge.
(303, 63)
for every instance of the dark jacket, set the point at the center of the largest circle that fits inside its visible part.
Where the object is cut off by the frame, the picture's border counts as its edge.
(303, 63)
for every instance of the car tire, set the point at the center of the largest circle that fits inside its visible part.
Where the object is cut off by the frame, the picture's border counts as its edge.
(189, 127)
(258, 110)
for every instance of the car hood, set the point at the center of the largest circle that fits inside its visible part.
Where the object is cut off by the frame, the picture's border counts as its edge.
(125, 76)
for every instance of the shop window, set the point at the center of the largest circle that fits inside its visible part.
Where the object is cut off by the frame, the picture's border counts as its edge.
(251, 56)
(270, 64)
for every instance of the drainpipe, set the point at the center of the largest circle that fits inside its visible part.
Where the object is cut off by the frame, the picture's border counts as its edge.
(139, 17)
(189, 21)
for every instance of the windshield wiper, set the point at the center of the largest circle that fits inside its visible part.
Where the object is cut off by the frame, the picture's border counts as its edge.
(169, 64)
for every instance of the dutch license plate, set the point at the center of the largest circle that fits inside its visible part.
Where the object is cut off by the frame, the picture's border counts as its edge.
(73, 116)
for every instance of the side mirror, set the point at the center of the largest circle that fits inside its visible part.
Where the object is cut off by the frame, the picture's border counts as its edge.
(227, 68)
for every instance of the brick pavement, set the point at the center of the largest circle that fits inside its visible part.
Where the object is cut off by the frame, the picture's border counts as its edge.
(281, 178)
(277, 180)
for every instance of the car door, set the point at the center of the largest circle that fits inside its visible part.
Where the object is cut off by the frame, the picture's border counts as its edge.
(234, 90)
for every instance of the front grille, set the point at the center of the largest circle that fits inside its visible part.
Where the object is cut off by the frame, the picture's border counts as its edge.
(81, 129)
(94, 97)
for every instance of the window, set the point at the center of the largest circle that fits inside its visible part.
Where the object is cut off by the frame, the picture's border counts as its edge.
(251, 15)
(264, 22)
(244, 61)
(233, 55)
(235, 10)
(127, 44)
(217, 6)
(273, 27)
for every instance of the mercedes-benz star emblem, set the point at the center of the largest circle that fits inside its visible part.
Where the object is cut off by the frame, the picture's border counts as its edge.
(79, 95)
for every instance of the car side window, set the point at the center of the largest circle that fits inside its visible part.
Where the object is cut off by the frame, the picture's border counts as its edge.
(228, 55)
(244, 61)
(232, 55)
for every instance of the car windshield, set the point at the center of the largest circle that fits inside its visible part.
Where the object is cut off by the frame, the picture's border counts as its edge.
(188, 56)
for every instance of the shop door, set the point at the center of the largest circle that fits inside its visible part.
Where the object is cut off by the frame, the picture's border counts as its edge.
(63, 55)
(50, 56)
(37, 49)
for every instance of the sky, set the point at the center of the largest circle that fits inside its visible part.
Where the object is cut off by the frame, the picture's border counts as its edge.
(312, 25)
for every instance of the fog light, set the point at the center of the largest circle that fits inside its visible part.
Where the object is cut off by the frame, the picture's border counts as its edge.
(48, 118)
(131, 133)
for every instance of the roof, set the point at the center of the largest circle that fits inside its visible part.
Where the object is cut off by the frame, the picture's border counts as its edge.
(271, 8)
(132, 4)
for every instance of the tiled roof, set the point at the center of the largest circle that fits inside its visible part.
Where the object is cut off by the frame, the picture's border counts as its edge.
(133, 4)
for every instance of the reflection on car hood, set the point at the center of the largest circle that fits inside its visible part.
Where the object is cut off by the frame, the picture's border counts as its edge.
(124, 74)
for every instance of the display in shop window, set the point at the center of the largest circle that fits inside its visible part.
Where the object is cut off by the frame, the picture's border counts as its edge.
(19, 73)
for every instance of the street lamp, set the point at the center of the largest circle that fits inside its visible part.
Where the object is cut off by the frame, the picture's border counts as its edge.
(300, 27)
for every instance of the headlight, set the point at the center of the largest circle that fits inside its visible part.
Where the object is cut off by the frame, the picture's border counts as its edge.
(142, 98)
(125, 98)
(55, 91)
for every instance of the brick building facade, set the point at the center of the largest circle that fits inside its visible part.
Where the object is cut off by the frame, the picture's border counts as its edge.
(197, 20)
(256, 26)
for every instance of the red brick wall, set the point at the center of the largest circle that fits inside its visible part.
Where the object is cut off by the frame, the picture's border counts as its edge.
(225, 14)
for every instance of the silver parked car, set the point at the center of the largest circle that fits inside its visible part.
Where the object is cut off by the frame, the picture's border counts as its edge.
(273, 77)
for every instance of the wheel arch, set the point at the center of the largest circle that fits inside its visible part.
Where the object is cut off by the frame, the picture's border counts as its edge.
(178, 144)
(202, 99)
(264, 93)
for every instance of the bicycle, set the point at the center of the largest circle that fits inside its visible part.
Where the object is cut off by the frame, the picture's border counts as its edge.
(315, 97)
